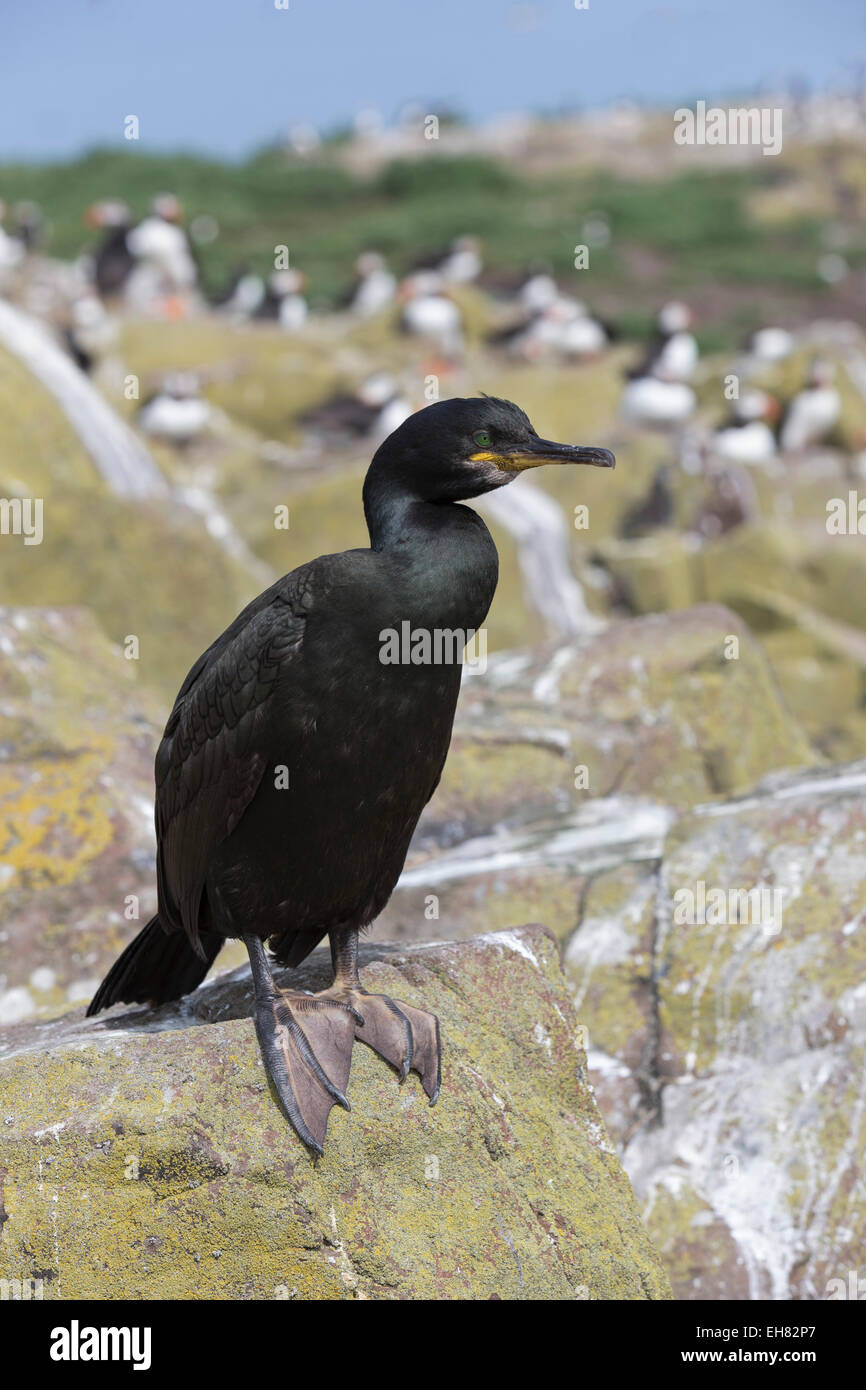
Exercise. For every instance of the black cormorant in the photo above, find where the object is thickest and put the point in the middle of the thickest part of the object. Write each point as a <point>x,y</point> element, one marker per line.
<point>296,761</point>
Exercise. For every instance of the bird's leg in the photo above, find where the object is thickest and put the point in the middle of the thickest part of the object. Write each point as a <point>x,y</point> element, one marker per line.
<point>406,1037</point>
<point>306,1043</point>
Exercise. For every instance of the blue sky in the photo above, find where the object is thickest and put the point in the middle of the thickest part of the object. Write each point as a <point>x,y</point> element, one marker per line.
<point>224,76</point>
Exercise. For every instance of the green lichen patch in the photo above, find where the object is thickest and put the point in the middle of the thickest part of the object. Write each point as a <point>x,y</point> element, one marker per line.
<point>152,1161</point>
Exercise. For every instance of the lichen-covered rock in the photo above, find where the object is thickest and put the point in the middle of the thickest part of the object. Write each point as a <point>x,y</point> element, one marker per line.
<point>39,449</point>
<point>728,1042</point>
<point>678,706</point>
<point>127,559</point>
<point>143,1155</point>
<point>654,575</point>
<point>650,708</point>
<point>77,851</point>
<point>568,762</point>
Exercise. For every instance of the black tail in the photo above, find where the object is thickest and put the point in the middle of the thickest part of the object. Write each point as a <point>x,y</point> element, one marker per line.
<point>155,968</point>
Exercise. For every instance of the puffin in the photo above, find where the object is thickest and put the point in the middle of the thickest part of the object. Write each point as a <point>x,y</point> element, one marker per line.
<point>23,238</point>
<point>538,291</point>
<point>243,296</point>
<point>429,313</point>
<point>657,394</point>
<point>165,274</point>
<point>375,286</point>
<point>177,413</point>
<point>562,328</point>
<point>90,332</point>
<point>459,264</point>
<point>766,346</point>
<point>372,411</point>
<point>303,746</point>
<point>113,261</point>
<point>748,437</point>
<point>284,302</point>
<point>655,402</point>
<point>672,352</point>
<point>28,225</point>
<point>11,247</point>
<point>813,412</point>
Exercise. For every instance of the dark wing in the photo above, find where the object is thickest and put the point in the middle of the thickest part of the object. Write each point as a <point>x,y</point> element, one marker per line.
<point>346,297</point>
<point>645,366</point>
<point>430,260</point>
<point>113,262</point>
<point>342,414</point>
<point>213,752</point>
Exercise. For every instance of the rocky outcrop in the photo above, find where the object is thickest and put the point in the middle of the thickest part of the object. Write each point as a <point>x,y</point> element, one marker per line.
<point>652,710</point>
<point>127,557</point>
<point>143,1156</point>
<point>727,1037</point>
<point>696,1033</point>
<point>77,847</point>
<point>564,764</point>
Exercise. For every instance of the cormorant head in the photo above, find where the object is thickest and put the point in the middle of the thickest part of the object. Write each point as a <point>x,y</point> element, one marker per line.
<point>461,448</point>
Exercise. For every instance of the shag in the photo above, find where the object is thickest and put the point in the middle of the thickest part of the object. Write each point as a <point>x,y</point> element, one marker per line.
<point>299,755</point>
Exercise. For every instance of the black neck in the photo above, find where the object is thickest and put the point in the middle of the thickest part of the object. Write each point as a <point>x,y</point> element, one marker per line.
<point>394,511</point>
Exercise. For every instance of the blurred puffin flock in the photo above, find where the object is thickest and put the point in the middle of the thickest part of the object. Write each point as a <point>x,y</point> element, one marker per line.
<point>226,393</point>
<point>148,268</point>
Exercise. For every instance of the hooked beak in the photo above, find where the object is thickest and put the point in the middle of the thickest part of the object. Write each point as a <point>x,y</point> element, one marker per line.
<point>541,451</point>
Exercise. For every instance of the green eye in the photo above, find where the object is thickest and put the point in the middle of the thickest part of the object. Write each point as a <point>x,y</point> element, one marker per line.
<point>482,439</point>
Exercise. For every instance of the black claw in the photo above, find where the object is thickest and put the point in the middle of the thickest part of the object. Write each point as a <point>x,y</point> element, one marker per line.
<point>410,1043</point>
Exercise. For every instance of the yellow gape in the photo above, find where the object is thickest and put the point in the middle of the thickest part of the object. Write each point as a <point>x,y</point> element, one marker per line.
<point>514,463</point>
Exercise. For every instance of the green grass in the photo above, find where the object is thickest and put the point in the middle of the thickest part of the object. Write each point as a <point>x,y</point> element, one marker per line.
<point>697,225</point>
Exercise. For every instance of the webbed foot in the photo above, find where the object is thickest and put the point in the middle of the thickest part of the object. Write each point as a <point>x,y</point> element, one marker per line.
<point>306,1042</point>
<point>406,1037</point>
